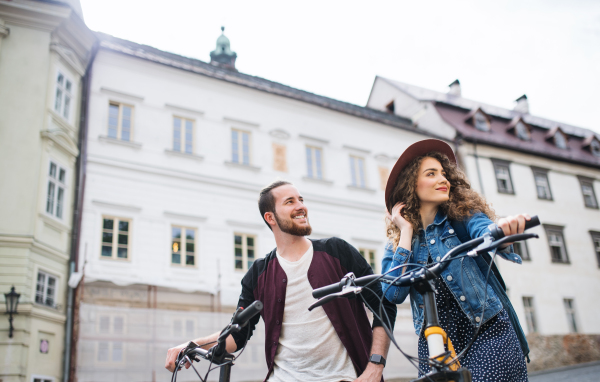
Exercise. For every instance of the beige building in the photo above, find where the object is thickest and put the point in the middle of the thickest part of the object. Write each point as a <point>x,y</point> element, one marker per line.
<point>44,52</point>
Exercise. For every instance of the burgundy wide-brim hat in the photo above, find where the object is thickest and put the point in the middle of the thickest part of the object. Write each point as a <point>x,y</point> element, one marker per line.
<point>415,150</point>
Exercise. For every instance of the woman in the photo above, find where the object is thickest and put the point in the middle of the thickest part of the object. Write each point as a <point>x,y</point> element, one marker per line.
<point>431,208</point>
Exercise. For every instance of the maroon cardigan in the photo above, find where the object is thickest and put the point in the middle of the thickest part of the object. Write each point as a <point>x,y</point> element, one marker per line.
<point>333,258</point>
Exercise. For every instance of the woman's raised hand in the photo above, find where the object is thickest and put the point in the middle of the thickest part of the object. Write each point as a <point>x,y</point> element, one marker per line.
<point>397,218</point>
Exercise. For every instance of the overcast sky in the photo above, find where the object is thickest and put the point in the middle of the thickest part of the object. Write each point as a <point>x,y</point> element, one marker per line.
<point>499,50</point>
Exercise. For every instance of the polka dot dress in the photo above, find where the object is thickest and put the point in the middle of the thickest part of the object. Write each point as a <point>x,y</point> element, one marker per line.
<point>495,356</point>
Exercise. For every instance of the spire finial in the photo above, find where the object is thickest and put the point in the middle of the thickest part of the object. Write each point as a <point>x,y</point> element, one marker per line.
<point>223,29</point>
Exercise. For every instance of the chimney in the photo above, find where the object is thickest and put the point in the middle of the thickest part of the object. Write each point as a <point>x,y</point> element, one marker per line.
<point>454,88</point>
<point>522,105</point>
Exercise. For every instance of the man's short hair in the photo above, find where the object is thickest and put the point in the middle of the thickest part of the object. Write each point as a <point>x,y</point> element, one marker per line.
<point>266,201</point>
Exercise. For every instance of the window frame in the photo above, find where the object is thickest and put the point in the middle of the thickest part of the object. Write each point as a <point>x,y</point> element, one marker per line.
<point>557,230</point>
<point>498,164</point>
<point>240,147</point>
<point>595,147</point>
<point>182,139</point>
<point>64,93</point>
<point>244,249</point>
<point>355,171</point>
<point>530,314</point>
<point>488,123</point>
<point>47,275</point>
<point>115,245</point>
<point>570,310</point>
<point>538,171</point>
<point>317,165</point>
<point>563,138</point>
<point>183,244</point>
<point>588,182</point>
<point>595,235</point>
<point>119,136</point>
<point>372,253</point>
<point>41,378</point>
<point>525,256</point>
<point>57,185</point>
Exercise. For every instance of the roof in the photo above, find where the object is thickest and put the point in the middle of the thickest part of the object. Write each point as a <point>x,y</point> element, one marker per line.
<point>152,54</point>
<point>501,134</point>
<point>423,94</point>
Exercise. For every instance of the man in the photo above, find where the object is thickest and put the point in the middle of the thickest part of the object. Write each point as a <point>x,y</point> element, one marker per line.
<point>330,343</point>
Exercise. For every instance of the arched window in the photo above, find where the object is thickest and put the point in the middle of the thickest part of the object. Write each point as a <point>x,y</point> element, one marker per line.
<point>560,140</point>
<point>522,131</point>
<point>481,122</point>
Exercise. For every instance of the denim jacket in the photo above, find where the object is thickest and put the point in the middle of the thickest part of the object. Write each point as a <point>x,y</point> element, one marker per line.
<point>464,277</point>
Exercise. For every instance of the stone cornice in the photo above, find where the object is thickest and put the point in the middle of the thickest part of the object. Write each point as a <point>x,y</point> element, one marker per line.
<point>4,30</point>
<point>34,14</point>
<point>62,140</point>
<point>28,241</point>
<point>69,56</point>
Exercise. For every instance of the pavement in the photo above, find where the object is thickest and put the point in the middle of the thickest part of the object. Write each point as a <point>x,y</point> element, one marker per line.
<point>585,372</point>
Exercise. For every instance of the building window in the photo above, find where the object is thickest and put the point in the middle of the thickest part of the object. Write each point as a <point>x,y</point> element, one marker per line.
<point>357,169</point>
<point>245,254</point>
<point>503,178</point>
<point>43,379</point>
<point>587,189</point>
<point>522,131</point>
<point>314,162</point>
<point>541,183</point>
<point>55,198</point>
<point>530,314</point>
<point>369,255</point>
<point>570,310</point>
<point>110,352</point>
<point>120,121</point>
<point>62,99</point>
<point>595,147</point>
<point>596,243</point>
<point>115,238</point>
<point>178,328</point>
<point>520,248</point>
<point>556,241</point>
<point>481,122</point>
<point>183,246</point>
<point>45,291</point>
<point>240,147</point>
<point>560,140</point>
<point>183,135</point>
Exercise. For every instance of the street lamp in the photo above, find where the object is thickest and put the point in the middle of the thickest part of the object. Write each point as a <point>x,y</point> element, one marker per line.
<point>12,300</point>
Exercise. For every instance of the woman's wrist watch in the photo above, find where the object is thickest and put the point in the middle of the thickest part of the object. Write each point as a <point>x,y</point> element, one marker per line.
<point>377,359</point>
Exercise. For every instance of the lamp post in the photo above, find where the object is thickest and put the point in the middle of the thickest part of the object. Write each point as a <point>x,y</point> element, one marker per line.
<point>12,300</point>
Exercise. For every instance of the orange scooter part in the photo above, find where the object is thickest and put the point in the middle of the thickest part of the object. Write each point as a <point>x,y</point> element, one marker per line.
<point>448,341</point>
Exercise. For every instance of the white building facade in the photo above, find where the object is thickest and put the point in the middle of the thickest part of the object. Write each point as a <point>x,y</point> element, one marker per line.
<point>524,163</point>
<point>178,151</point>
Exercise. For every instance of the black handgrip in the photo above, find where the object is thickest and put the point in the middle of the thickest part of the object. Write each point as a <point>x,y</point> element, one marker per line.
<point>246,314</point>
<point>497,232</point>
<point>327,290</point>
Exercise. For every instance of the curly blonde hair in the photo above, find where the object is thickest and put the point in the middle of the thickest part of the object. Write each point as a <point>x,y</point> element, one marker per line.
<point>463,201</point>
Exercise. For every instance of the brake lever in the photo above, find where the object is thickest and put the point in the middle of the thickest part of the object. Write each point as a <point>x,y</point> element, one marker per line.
<point>347,289</point>
<point>487,242</point>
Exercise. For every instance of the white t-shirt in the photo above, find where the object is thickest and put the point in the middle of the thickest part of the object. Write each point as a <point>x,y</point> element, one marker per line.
<point>309,347</point>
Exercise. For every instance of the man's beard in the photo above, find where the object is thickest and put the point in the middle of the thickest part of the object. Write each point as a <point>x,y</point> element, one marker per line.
<point>289,226</point>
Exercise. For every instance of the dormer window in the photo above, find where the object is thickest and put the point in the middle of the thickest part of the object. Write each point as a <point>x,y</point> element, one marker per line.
<point>560,140</point>
<point>481,122</point>
<point>521,129</point>
<point>595,148</point>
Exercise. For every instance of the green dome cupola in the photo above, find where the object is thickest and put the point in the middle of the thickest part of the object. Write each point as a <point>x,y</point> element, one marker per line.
<point>223,55</point>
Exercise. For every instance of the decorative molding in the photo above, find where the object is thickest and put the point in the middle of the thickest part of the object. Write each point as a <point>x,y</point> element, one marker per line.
<point>177,215</point>
<point>364,189</point>
<point>356,149</point>
<point>69,56</point>
<point>240,122</point>
<point>62,140</point>
<point>185,109</point>
<point>121,94</point>
<point>184,155</point>
<point>61,122</point>
<point>382,157</point>
<point>54,223</point>
<point>117,206</point>
<point>279,133</point>
<point>4,30</point>
<point>322,141</point>
<point>322,181</point>
<point>133,145</point>
<point>370,241</point>
<point>243,166</point>
<point>236,223</point>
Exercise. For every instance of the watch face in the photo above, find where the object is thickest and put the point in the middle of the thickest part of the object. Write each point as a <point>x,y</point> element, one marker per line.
<point>377,359</point>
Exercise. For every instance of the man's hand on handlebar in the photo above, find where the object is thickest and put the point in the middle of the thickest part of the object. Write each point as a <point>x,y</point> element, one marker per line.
<point>512,225</point>
<point>172,354</point>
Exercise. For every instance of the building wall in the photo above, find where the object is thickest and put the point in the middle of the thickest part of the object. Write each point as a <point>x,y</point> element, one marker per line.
<point>32,134</point>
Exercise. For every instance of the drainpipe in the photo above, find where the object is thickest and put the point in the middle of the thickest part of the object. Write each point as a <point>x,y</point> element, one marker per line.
<point>77,209</point>
<point>477,165</point>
